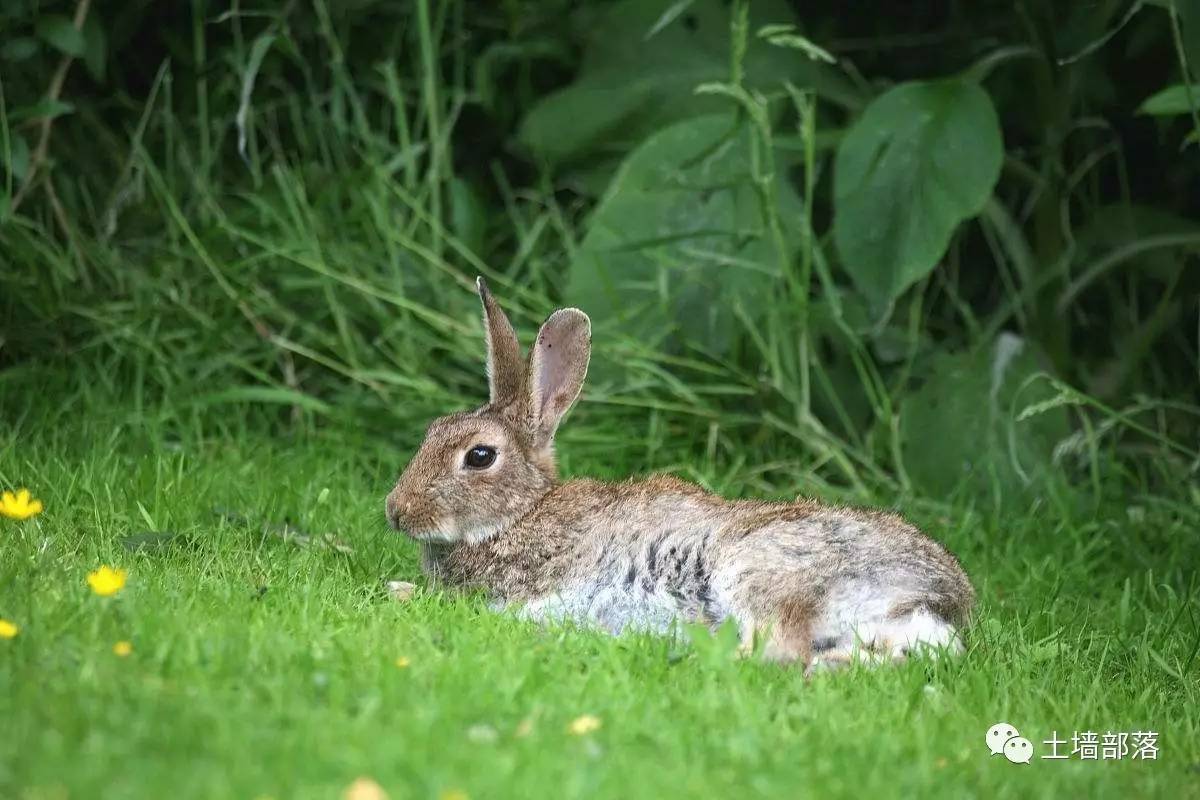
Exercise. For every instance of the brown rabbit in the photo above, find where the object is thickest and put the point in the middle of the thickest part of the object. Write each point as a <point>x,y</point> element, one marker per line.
<point>819,584</point>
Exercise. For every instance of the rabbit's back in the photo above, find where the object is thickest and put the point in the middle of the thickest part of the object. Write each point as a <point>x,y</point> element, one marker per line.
<point>644,554</point>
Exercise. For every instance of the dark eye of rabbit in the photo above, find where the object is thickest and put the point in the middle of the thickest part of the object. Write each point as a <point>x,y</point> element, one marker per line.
<point>480,457</point>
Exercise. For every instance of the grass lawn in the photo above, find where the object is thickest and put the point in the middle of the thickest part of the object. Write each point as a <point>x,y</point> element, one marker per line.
<point>261,667</point>
<point>936,249</point>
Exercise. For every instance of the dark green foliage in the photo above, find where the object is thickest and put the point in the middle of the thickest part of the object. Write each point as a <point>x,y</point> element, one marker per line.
<point>940,257</point>
<point>791,222</point>
<point>639,69</point>
<point>922,158</point>
<point>959,429</point>
<point>677,245</point>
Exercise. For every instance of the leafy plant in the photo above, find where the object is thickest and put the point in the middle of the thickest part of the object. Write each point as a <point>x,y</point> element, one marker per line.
<point>678,243</point>
<point>793,226</point>
<point>921,159</point>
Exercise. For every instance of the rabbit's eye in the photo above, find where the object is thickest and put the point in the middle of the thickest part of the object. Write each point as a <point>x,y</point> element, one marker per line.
<point>480,457</point>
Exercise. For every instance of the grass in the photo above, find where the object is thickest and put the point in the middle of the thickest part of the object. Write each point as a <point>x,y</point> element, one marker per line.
<point>267,330</point>
<point>261,668</point>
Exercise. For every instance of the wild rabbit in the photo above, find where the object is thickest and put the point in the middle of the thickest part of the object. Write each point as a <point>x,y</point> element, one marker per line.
<point>816,584</point>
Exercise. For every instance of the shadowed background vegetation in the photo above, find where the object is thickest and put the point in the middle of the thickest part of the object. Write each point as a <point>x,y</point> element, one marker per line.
<point>941,257</point>
<point>936,249</point>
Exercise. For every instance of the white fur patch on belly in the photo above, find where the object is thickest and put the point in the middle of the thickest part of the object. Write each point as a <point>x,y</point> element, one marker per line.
<point>857,617</point>
<point>613,609</point>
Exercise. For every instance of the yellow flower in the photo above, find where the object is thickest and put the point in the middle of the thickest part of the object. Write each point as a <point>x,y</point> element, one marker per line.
<point>364,789</point>
<point>20,505</point>
<point>106,581</point>
<point>581,726</point>
<point>402,662</point>
<point>123,648</point>
<point>453,794</point>
<point>8,629</point>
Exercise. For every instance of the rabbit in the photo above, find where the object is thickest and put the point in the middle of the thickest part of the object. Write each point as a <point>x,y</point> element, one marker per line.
<point>823,586</point>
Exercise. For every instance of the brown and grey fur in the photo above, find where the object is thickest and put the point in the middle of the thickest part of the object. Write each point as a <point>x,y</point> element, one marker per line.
<point>818,584</point>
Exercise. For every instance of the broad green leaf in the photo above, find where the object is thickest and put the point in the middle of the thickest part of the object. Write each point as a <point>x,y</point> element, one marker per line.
<point>18,161</point>
<point>18,48</point>
<point>679,239</point>
<point>44,109</point>
<point>57,31</point>
<point>630,86</point>
<point>1171,101</point>
<point>95,47</point>
<point>922,158</point>
<point>959,430</point>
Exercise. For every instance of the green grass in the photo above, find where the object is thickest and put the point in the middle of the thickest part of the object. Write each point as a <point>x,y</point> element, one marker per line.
<point>268,332</point>
<point>264,668</point>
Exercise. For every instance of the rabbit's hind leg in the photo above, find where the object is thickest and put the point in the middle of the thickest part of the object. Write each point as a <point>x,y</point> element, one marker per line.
<point>906,629</point>
<point>790,637</point>
<point>916,628</point>
<point>786,635</point>
<point>882,639</point>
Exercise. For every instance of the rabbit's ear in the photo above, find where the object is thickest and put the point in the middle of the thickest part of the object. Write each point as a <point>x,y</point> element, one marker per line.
<point>557,367</point>
<point>504,368</point>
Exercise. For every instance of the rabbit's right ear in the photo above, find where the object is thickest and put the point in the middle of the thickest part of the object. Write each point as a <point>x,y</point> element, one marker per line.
<point>506,373</point>
<point>557,367</point>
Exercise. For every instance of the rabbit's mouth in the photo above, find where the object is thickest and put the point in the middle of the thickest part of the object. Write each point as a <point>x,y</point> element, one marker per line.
<point>434,536</point>
<point>412,519</point>
<point>422,523</point>
<point>422,529</point>
<point>418,530</point>
<point>448,532</point>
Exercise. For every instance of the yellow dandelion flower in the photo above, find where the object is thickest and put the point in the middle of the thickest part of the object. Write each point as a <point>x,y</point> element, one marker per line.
<point>123,648</point>
<point>364,789</point>
<point>453,794</point>
<point>581,726</point>
<point>20,505</point>
<point>8,629</point>
<point>403,662</point>
<point>106,581</point>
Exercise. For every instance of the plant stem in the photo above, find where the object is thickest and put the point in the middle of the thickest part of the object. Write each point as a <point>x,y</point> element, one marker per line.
<point>52,93</point>
<point>433,120</point>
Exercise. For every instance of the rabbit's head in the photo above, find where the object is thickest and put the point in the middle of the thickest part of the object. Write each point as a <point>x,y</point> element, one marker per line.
<point>479,471</point>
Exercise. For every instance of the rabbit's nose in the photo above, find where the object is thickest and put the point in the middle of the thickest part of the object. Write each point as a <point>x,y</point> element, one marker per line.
<point>397,507</point>
<point>393,512</point>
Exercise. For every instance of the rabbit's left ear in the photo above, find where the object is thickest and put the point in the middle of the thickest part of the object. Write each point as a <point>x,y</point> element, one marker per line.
<point>557,367</point>
<point>505,371</point>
